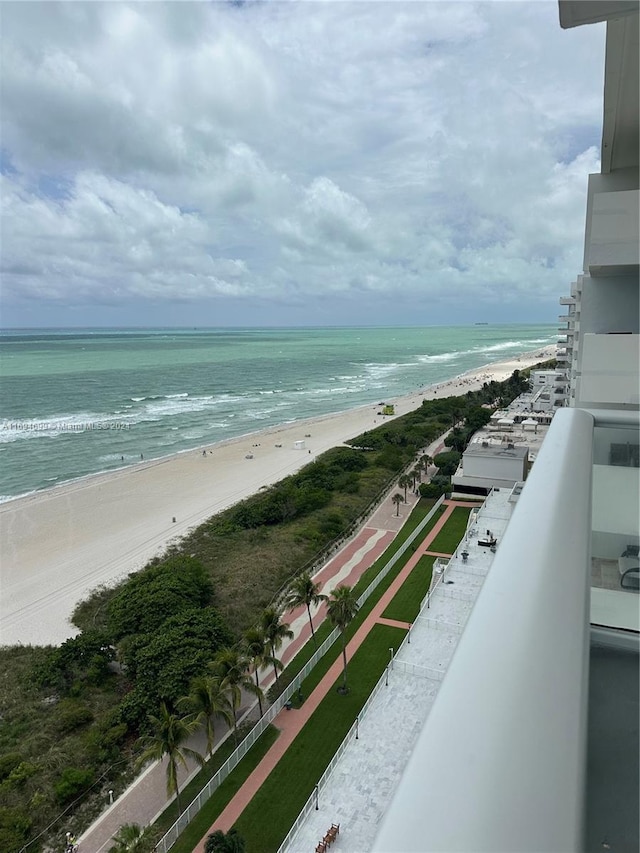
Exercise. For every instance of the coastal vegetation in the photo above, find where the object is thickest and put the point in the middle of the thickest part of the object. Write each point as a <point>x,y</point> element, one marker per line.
<point>75,717</point>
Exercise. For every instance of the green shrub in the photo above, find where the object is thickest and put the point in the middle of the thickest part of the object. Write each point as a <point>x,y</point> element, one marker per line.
<point>73,782</point>
<point>432,490</point>
<point>9,762</point>
<point>75,661</point>
<point>219,842</point>
<point>19,775</point>
<point>163,664</point>
<point>103,744</point>
<point>447,463</point>
<point>152,596</point>
<point>14,829</point>
<point>72,715</point>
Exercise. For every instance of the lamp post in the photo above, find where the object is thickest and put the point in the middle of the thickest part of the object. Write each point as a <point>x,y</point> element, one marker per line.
<point>391,654</point>
<point>386,675</point>
<point>357,726</point>
<point>316,793</point>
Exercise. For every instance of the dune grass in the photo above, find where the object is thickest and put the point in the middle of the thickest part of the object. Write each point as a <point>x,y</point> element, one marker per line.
<point>275,807</point>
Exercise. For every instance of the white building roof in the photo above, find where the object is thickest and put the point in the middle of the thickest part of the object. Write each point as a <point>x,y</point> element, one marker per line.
<point>496,451</point>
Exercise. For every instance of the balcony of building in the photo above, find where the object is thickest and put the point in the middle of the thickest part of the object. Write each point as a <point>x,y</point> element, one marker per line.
<point>609,370</point>
<point>567,300</point>
<point>612,229</point>
<point>615,557</point>
<point>540,703</point>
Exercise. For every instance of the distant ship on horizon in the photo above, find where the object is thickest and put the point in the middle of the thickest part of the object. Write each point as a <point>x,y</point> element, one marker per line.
<point>480,324</point>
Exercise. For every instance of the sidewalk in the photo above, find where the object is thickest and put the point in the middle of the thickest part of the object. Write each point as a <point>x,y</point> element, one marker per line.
<point>290,724</point>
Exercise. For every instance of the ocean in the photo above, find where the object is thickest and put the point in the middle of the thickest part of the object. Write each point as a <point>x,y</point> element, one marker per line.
<point>76,402</point>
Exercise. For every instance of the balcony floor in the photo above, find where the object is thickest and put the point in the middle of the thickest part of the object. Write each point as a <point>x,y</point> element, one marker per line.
<point>613,791</point>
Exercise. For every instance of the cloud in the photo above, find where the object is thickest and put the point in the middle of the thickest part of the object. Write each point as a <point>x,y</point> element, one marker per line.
<point>108,242</point>
<point>286,151</point>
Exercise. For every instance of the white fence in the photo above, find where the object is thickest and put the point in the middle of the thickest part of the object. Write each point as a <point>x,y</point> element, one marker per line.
<point>169,839</point>
<point>417,669</point>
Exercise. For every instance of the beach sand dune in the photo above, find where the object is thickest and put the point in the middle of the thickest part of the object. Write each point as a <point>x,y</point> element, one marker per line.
<point>58,545</point>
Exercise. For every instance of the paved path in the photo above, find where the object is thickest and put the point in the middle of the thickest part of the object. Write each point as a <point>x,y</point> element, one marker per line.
<point>290,723</point>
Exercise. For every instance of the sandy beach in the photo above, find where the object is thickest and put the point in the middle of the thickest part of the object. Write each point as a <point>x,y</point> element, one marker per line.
<point>58,545</point>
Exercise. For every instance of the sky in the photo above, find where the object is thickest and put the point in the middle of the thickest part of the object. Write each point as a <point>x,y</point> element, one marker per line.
<point>293,163</point>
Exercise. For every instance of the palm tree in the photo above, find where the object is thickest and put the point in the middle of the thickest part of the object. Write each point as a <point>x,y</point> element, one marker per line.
<point>232,668</point>
<point>304,591</point>
<point>219,842</point>
<point>397,500</point>
<point>131,838</point>
<point>341,608</point>
<point>169,738</point>
<point>404,482</point>
<point>255,646</point>
<point>207,698</point>
<point>275,632</point>
<point>426,461</point>
<point>417,474</point>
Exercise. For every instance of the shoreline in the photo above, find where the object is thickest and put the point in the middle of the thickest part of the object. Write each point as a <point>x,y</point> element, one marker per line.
<point>60,543</point>
<point>540,354</point>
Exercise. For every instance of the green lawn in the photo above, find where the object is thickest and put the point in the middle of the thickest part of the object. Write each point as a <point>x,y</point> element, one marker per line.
<point>449,537</point>
<point>405,604</point>
<point>272,812</point>
<point>220,798</point>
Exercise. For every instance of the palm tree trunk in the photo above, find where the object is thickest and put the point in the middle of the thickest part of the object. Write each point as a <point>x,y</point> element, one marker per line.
<point>313,633</point>
<point>177,789</point>
<point>258,686</point>
<point>273,655</point>
<point>344,657</point>
<point>235,727</point>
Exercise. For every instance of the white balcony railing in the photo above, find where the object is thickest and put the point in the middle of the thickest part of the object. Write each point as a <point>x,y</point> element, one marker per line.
<point>500,763</point>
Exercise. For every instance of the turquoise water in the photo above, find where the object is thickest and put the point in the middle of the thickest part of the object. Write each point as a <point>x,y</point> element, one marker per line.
<point>77,401</point>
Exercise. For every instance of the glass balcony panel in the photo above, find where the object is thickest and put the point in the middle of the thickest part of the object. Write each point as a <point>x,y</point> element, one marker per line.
<point>615,537</point>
